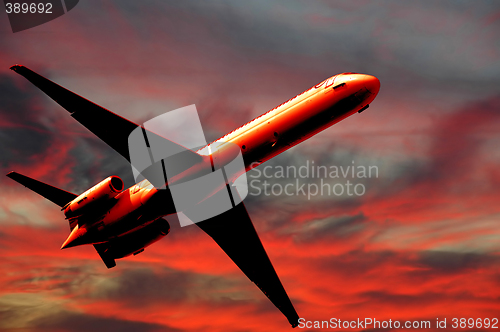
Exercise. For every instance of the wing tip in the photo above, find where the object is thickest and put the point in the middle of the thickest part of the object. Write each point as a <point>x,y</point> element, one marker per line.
<point>16,67</point>
<point>11,174</point>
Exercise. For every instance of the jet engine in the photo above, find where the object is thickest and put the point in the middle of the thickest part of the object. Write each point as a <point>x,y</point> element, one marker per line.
<point>101,192</point>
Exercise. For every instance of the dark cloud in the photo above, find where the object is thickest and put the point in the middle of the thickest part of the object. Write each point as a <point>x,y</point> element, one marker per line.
<point>414,267</point>
<point>409,300</point>
<point>146,286</point>
<point>455,156</point>
<point>22,132</point>
<point>394,40</point>
<point>95,161</point>
<point>33,312</point>
<point>458,138</point>
<point>68,321</point>
<point>29,128</point>
<point>330,229</point>
<point>456,262</point>
<point>358,262</point>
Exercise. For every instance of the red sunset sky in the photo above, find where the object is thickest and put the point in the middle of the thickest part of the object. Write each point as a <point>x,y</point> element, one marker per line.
<point>422,243</point>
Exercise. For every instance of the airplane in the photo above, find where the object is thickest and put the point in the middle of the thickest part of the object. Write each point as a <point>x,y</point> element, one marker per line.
<point>120,223</point>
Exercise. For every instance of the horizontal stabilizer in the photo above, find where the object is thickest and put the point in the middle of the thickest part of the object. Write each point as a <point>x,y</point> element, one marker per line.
<point>53,194</point>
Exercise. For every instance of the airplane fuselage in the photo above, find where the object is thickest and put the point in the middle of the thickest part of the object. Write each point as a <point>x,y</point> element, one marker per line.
<point>301,117</point>
<point>259,140</point>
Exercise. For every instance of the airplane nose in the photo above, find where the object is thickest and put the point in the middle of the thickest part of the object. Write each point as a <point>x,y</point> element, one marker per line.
<point>372,84</point>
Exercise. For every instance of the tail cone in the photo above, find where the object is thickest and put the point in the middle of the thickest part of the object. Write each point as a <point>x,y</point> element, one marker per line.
<point>77,237</point>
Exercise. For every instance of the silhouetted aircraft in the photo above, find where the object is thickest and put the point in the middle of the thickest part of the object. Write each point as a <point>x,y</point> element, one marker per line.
<point>119,222</point>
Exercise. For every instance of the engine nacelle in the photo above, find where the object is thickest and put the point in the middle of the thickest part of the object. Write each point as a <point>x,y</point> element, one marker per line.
<point>98,194</point>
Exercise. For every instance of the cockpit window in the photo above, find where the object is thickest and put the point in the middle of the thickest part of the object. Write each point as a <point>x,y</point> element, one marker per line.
<point>318,85</point>
<point>330,81</point>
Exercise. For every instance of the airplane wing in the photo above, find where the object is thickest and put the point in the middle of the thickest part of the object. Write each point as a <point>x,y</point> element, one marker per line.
<point>108,126</point>
<point>53,194</point>
<point>234,232</point>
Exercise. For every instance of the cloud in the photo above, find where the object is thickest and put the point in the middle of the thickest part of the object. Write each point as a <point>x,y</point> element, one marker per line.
<point>146,286</point>
<point>22,133</point>
<point>422,242</point>
<point>36,313</point>
<point>80,322</point>
<point>454,262</point>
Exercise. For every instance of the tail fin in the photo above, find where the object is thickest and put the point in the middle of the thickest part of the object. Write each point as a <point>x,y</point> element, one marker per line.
<point>61,198</point>
<point>53,194</point>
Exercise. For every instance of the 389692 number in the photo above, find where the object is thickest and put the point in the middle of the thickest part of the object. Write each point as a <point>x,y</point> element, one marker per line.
<point>474,323</point>
<point>25,8</point>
